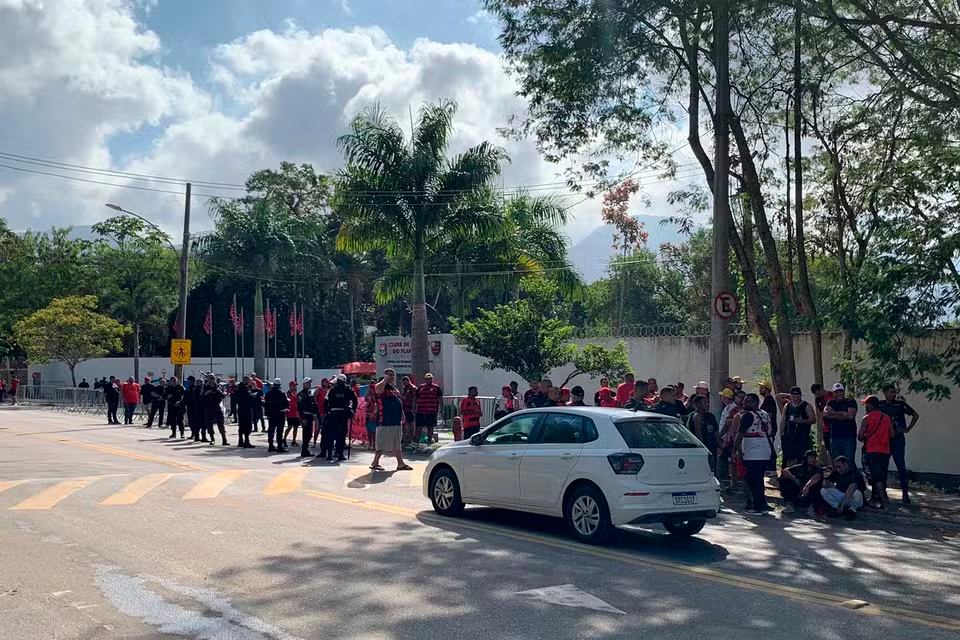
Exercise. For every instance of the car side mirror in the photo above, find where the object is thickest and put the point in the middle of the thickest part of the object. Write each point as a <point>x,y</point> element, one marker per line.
<point>475,440</point>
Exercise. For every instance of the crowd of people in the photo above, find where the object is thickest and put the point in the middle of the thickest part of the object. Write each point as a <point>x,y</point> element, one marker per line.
<point>742,439</point>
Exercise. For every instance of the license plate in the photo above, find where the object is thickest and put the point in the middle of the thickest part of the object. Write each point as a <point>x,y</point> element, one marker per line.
<point>684,499</point>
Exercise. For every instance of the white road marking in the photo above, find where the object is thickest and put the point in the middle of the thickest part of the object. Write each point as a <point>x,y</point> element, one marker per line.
<point>133,597</point>
<point>567,595</point>
<point>57,594</point>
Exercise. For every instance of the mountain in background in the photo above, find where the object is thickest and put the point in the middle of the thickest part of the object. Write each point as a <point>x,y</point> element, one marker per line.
<point>591,254</point>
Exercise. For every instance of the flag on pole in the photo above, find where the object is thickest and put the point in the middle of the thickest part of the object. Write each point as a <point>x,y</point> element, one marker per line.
<point>293,323</point>
<point>300,322</point>
<point>234,318</point>
<point>273,323</point>
<point>208,322</point>
<point>268,322</point>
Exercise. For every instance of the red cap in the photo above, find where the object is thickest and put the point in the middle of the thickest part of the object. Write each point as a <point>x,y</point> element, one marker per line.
<point>293,383</point>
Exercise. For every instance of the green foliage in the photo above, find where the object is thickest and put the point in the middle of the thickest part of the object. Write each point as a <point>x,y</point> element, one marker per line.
<point>517,338</point>
<point>69,330</point>
<point>597,361</point>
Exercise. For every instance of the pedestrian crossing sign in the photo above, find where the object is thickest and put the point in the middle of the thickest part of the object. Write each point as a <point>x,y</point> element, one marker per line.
<point>180,351</point>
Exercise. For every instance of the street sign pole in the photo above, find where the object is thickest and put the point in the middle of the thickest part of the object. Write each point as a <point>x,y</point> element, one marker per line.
<point>184,258</point>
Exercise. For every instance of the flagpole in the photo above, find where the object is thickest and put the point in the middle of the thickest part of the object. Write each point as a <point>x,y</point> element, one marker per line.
<point>293,332</point>
<point>234,319</point>
<point>243,345</point>
<point>210,315</point>
<point>273,323</point>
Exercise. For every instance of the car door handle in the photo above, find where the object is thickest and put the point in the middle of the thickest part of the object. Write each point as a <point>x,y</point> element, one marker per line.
<point>515,456</point>
<point>566,456</point>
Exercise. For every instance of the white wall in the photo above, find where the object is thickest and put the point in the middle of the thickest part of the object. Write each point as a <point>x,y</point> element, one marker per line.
<point>57,373</point>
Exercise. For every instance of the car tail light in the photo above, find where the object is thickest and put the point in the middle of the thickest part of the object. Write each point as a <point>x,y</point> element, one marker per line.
<point>626,464</point>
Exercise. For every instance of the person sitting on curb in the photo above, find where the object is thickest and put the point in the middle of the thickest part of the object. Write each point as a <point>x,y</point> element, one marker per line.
<point>843,489</point>
<point>800,485</point>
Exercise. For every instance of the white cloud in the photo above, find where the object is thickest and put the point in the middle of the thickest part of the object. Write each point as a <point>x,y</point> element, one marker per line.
<point>91,72</point>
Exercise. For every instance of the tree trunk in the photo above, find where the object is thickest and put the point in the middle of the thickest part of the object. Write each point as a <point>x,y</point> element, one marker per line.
<point>353,323</point>
<point>419,341</point>
<point>73,374</point>
<point>259,333</point>
<point>136,353</point>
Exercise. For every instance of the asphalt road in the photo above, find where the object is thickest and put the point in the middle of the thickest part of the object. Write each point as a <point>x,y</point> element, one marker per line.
<point>118,532</point>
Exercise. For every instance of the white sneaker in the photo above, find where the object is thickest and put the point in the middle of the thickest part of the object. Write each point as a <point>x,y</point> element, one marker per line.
<point>788,508</point>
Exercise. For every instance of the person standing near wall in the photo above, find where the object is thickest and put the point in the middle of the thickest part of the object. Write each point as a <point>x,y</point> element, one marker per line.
<point>471,412</point>
<point>898,410</point>
<point>842,412</point>
<point>130,391</point>
<point>754,446</point>
<point>175,395</point>
<point>111,394</point>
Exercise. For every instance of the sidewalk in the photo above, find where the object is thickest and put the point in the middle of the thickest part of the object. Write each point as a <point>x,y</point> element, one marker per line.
<point>936,510</point>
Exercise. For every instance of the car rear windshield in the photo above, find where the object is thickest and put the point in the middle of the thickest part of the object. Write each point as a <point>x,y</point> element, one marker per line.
<point>641,433</point>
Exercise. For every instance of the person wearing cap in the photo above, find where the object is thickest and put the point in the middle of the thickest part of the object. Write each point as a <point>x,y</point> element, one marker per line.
<point>768,403</point>
<point>210,409</point>
<point>876,432</point>
<point>293,414</point>
<point>276,405</point>
<point>341,405</point>
<point>842,412</point>
<point>307,409</point>
<point>429,404</point>
<point>800,485</point>
<point>701,389</point>
<point>843,489</point>
<point>576,397</point>
<point>505,404</point>
<point>605,397</point>
<point>799,418</point>
<point>730,410</point>
<point>471,412</point>
<point>898,410</point>
<point>564,395</point>
<point>738,383</point>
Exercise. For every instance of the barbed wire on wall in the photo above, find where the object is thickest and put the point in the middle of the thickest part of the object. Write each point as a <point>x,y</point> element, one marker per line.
<point>674,330</point>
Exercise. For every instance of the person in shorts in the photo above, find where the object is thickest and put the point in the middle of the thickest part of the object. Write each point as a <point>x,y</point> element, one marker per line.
<point>372,418</point>
<point>408,395</point>
<point>429,402</point>
<point>876,432</point>
<point>390,429</point>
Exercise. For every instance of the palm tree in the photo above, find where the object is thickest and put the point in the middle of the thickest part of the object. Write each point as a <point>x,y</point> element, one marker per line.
<point>529,243</point>
<point>409,200</point>
<point>252,238</point>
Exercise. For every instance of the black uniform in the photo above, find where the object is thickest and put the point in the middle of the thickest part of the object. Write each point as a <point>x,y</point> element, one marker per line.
<point>256,406</point>
<point>175,396</point>
<point>341,405</point>
<point>308,409</point>
<point>194,409</point>
<point>157,403</point>
<point>796,436</point>
<point>275,403</point>
<point>211,405</point>
<point>244,400</point>
<point>112,395</point>
<point>146,394</point>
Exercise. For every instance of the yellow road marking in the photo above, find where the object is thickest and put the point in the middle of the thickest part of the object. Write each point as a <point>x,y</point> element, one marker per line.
<point>9,484</point>
<point>52,495</point>
<point>357,477</point>
<point>112,451</point>
<point>705,573</point>
<point>286,482</point>
<point>416,476</point>
<point>211,486</point>
<point>131,493</point>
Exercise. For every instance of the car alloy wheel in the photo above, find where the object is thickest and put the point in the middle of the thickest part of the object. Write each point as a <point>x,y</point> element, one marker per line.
<point>443,492</point>
<point>585,515</point>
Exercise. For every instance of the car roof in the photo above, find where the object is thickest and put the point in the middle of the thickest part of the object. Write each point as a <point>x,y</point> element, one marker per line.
<point>612,413</point>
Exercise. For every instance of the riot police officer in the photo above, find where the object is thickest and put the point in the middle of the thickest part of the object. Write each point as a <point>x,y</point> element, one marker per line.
<point>211,408</point>
<point>191,400</point>
<point>341,405</point>
<point>276,404</point>
<point>175,395</point>
<point>244,400</point>
<point>308,409</point>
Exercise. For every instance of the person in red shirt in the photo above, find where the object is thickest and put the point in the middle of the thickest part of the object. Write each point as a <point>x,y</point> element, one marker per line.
<point>471,412</point>
<point>14,386</point>
<point>876,431</point>
<point>293,414</point>
<point>626,389</point>
<point>130,393</point>
<point>606,398</point>
<point>429,403</point>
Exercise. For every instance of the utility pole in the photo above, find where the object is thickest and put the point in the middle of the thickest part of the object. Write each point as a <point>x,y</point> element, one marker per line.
<point>720,281</point>
<point>184,258</point>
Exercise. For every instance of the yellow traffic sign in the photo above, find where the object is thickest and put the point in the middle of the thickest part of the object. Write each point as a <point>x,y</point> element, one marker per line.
<point>180,351</point>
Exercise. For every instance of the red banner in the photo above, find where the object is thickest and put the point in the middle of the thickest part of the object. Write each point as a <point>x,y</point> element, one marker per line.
<point>208,322</point>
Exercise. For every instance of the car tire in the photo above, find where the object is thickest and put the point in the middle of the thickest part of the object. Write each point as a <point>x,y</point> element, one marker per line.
<point>587,515</point>
<point>445,493</point>
<point>684,528</point>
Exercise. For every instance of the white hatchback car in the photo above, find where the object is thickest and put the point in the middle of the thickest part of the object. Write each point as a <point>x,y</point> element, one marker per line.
<point>597,468</point>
